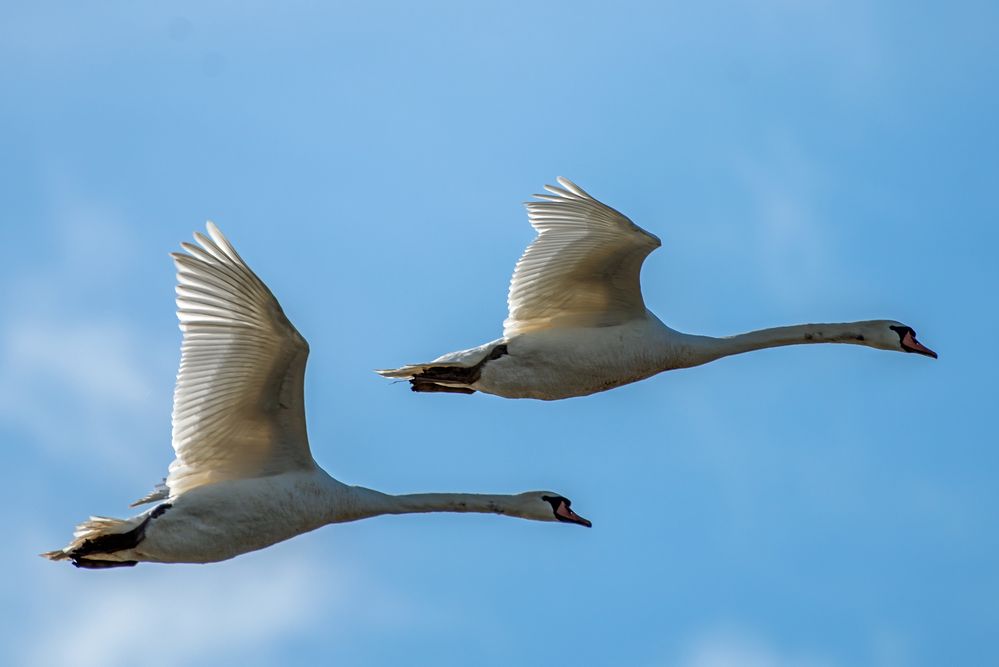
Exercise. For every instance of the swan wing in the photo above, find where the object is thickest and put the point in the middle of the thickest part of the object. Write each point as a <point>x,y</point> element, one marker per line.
<point>238,408</point>
<point>583,268</point>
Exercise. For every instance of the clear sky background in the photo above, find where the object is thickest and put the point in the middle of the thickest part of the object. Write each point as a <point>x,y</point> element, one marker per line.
<point>825,506</point>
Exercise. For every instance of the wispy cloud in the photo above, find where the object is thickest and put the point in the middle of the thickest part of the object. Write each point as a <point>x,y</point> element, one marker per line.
<point>74,375</point>
<point>731,648</point>
<point>95,360</point>
<point>244,611</point>
<point>161,620</point>
<point>73,388</point>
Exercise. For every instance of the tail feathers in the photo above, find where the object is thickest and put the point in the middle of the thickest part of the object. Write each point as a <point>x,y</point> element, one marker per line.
<point>432,368</point>
<point>458,369</point>
<point>438,378</point>
<point>403,373</point>
<point>102,536</point>
<point>467,359</point>
<point>454,375</point>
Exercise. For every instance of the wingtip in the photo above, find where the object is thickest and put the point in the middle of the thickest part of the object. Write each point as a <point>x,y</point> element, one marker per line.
<point>216,233</point>
<point>572,187</point>
<point>565,189</point>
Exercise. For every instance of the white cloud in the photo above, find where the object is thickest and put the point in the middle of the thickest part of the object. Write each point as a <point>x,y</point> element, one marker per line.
<point>120,624</point>
<point>75,377</point>
<point>96,360</point>
<point>739,649</point>
<point>168,615</point>
<point>77,389</point>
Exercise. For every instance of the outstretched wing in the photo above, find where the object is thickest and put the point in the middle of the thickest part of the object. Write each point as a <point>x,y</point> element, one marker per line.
<point>583,268</point>
<point>238,408</point>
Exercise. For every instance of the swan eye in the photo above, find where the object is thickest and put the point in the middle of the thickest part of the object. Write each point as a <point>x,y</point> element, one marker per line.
<point>554,501</point>
<point>558,503</point>
<point>901,331</point>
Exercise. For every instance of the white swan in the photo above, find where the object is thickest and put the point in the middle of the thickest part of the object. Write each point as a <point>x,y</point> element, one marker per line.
<point>578,324</point>
<point>244,477</point>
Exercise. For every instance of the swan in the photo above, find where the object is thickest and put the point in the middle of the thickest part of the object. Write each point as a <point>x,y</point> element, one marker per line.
<point>578,325</point>
<point>244,477</point>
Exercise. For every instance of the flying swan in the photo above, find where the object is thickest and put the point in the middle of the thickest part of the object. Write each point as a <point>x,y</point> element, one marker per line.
<point>243,477</point>
<point>578,325</point>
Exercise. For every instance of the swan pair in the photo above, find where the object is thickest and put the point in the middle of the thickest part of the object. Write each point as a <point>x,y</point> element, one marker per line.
<point>244,477</point>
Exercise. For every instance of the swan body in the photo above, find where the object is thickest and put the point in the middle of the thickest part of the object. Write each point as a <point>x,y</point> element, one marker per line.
<point>578,324</point>
<point>244,477</point>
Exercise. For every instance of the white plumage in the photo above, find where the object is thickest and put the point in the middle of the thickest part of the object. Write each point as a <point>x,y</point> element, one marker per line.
<point>238,406</point>
<point>578,324</point>
<point>583,268</point>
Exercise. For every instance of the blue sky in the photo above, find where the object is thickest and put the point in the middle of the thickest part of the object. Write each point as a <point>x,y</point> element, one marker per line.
<point>816,161</point>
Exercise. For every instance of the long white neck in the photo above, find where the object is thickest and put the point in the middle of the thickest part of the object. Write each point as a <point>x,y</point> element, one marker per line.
<point>357,502</point>
<point>699,350</point>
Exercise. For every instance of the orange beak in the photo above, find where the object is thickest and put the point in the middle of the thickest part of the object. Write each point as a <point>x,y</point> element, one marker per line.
<point>564,513</point>
<point>910,344</point>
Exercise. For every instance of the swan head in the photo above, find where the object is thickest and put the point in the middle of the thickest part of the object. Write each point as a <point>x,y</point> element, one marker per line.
<point>549,506</point>
<point>892,335</point>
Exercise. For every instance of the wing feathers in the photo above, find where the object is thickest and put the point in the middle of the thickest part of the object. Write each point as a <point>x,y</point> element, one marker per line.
<point>238,401</point>
<point>582,270</point>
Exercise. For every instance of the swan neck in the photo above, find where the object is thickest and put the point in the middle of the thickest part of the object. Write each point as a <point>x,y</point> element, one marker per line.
<point>368,503</point>
<point>800,334</point>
